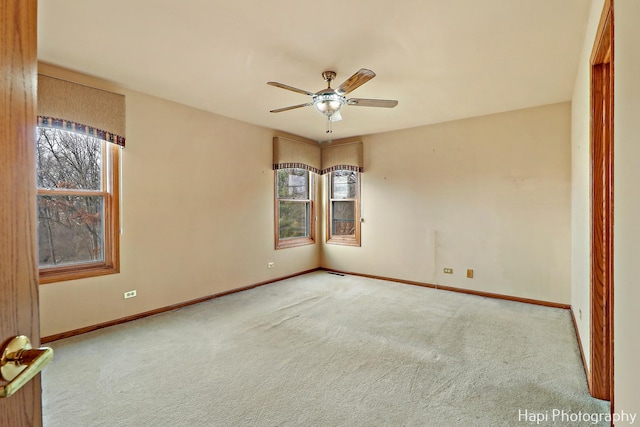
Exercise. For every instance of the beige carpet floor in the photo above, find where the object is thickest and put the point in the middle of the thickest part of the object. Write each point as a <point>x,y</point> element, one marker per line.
<point>325,350</point>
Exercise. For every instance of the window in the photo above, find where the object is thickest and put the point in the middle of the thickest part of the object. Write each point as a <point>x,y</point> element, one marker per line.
<point>343,220</point>
<point>77,205</point>
<point>295,217</point>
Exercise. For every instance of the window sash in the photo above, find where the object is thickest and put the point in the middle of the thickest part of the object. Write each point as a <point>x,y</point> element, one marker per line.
<point>305,227</point>
<point>79,218</point>
<point>338,224</point>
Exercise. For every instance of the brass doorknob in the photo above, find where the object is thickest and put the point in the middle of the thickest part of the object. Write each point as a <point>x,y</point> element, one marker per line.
<point>19,363</point>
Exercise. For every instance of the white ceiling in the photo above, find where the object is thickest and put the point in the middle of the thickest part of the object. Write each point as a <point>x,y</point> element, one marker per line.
<point>441,59</point>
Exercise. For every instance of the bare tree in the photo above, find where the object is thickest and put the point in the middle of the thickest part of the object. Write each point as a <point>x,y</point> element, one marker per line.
<point>69,174</point>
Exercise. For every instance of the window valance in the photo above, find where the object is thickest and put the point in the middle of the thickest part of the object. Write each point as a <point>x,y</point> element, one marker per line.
<point>346,156</point>
<point>79,108</point>
<point>289,153</point>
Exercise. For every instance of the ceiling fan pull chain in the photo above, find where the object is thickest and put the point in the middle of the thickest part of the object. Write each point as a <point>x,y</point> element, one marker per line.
<point>329,126</point>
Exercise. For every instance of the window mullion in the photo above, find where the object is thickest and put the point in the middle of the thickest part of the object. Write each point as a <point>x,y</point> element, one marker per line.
<point>66,192</point>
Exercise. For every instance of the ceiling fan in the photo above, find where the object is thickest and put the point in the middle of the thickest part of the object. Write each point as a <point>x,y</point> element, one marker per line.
<point>329,101</point>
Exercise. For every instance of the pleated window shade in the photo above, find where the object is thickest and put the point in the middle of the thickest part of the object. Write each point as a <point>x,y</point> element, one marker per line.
<point>342,157</point>
<point>83,109</point>
<point>289,153</point>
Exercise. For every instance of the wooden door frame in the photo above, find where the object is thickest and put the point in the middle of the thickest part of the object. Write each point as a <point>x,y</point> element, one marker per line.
<point>601,155</point>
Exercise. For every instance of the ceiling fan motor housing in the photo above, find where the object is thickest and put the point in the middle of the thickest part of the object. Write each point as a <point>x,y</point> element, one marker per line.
<point>328,76</point>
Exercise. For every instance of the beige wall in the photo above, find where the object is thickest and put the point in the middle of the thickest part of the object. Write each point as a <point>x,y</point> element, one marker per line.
<point>490,193</point>
<point>627,207</point>
<point>197,216</point>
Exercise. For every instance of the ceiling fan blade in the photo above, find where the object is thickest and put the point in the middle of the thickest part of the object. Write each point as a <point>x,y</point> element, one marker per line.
<point>335,117</point>
<point>355,81</point>
<point>361,102</point>
<point>295,89</point>
<point>293,107</point>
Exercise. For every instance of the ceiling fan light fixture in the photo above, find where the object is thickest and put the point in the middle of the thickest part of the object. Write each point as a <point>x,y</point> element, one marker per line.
<point>328,103</point>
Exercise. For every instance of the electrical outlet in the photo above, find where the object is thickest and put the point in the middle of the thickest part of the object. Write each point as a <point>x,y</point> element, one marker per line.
<point>130,294</point>
<point>448,270</point>
<point>271,265</point>
<point>470,273</point>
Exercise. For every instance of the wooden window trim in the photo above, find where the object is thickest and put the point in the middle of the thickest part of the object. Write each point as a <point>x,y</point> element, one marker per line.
<point>343,240</point>
<point>299,241</point>
<point>111,263</point>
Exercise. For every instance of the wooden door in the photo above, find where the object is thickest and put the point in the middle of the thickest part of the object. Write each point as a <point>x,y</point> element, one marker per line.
<point>18,263</point>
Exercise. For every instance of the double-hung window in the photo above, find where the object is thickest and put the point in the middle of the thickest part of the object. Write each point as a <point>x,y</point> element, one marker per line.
<point>343,219</point>
<point>77,205</point>
<point>295,216</point>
